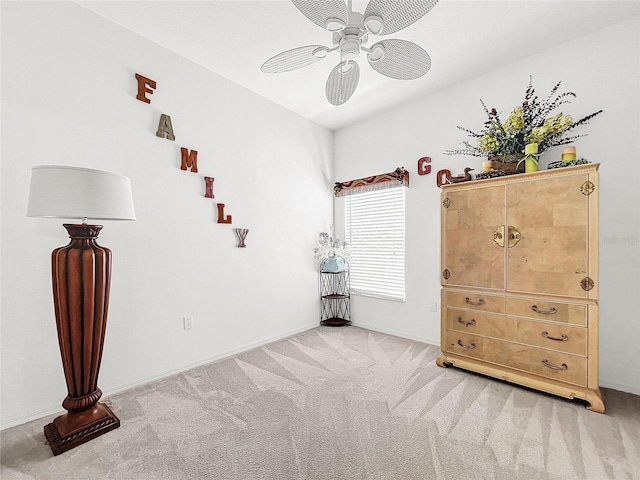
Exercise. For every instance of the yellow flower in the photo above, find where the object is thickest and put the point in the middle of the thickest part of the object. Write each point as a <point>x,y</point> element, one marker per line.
<point>565,121</point>
<point>488,143</point>
<point>537,135</point>
<point>558,123</point>
<point>515,122</point>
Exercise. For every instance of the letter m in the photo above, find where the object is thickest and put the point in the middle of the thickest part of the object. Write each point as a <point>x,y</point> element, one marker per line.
<point>189,159</point>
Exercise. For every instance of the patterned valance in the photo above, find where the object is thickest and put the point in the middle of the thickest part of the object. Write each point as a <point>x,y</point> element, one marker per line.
<point>396,178</point>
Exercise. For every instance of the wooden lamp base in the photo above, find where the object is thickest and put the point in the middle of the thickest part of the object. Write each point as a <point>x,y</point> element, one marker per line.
<point>75,428</point>
<point>81,279</point>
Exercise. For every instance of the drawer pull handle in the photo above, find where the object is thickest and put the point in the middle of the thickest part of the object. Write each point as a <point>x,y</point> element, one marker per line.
<point>563,338</point>
<point>553,367</point>
<point>543,312</point>
<point>470,322</point>
<point>471,345</point>
<point>479,302</point>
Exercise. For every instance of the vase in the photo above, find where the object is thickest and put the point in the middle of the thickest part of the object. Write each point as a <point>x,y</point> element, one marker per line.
<point>531,158</point>
<point>334,264</point>
<point>568,154</point>
<point>530,165</point>
<point>506,163</point>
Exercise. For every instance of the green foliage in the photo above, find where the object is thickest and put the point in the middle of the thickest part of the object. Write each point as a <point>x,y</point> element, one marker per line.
<point>531,122</point>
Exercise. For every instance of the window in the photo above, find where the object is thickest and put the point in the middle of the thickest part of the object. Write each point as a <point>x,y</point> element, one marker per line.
<point>375,231</point>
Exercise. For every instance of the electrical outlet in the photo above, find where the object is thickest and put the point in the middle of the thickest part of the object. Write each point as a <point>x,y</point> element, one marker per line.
<point>187,322</point>
<point>433,306</point>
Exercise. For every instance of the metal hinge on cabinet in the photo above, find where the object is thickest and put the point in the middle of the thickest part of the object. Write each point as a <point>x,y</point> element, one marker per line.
<point>446,274</point>
<point>446,203</point>
<point>587,284</point>
<point>587,188</point>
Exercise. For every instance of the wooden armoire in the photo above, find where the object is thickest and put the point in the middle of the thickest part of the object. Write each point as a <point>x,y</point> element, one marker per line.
<point>520,280</point>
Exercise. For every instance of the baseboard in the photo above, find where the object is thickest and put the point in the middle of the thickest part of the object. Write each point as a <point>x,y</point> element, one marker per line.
<point>620,387</point>
<point>397,334</point>
<point>211,359</point>
<point>13,422</point>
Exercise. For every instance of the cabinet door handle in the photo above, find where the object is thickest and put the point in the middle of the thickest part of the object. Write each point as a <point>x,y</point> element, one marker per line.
<point>543,312</point>
<point>479,302</point>
<point>514,236</point>
<point>471,345</point>
<point>563,338</point>
<point>554,367</point>
<point>498,235</point>
<point>470,322</point>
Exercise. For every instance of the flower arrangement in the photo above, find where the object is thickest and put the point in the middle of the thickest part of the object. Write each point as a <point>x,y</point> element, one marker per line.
<point>531,122</point>
<point>329,245</point>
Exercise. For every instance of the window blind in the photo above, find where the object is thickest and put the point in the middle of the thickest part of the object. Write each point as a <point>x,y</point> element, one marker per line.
<point>375,232</point>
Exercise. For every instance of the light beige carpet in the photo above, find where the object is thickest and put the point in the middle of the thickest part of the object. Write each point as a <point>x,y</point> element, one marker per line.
<point>340,403</point>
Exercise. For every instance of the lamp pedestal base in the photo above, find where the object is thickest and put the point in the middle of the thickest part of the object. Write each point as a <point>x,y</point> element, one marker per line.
<point>81,279</point>
<point>77,427</point>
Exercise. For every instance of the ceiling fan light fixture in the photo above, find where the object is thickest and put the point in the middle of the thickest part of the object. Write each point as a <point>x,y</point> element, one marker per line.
<point>374,24</point>
<point>350,48</point>
<point>334,24</point>
<point>377,53</point>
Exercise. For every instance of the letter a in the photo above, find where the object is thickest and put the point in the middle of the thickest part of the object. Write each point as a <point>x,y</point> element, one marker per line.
<point>165,130</point>
<point>189,159</point>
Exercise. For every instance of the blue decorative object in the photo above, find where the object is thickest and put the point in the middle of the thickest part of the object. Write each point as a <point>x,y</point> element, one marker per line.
<point>334,264</point>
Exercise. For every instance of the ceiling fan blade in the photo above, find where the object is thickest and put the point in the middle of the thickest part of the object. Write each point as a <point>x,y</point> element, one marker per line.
<point>294,59</point>
<point>398,14</point>
<point>319,12</point>
<point>341,84</point>
<point>402,60</point>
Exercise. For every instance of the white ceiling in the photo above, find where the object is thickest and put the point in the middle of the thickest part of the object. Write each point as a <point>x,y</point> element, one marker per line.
<point>464,39</point>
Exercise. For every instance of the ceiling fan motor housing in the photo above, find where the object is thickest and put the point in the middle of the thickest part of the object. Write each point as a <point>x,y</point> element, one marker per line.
<point>352,36</point>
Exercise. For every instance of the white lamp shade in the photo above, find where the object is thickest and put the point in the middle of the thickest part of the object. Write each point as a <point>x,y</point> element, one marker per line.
<point>78,193</point>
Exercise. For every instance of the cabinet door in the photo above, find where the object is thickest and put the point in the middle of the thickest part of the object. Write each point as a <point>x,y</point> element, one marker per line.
<point>470,220</point>
<point>550,219</point>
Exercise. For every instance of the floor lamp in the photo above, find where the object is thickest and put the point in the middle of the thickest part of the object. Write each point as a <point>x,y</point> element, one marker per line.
<point>81,274</point>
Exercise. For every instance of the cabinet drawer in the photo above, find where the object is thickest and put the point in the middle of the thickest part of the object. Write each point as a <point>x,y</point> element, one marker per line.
<point>474,301</point>
<point>480,323</point>
<point>575,314</point>
<point>562,338</point>
<point>549,364</point>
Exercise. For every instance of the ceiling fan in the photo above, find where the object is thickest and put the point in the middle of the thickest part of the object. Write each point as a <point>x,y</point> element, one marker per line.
<point>393,58</point>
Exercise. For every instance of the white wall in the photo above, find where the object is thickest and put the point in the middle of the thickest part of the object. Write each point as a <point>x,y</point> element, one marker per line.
<point>603,69</point>
<point>68,97</point>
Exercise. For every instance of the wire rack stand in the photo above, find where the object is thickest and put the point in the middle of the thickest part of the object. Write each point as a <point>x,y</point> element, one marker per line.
<point>335,297</point>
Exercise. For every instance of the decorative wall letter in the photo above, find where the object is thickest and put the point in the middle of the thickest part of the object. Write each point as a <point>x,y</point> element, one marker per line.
<point>189,159</point>
<point>142,88</point>
<point>443,181</point>
<point>208,181</point>
<point>165,129</point>
<point>221,217</point>
<point>424,166</point>
<point>241,234</point>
